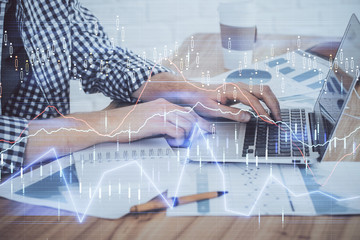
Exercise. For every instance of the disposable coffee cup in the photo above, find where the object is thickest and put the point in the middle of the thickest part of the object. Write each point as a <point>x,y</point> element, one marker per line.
<point>238,32</point>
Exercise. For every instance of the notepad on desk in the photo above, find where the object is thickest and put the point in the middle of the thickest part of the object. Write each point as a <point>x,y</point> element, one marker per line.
<point>115,176</point>
<point>102,181</point>
<point>106,158</point>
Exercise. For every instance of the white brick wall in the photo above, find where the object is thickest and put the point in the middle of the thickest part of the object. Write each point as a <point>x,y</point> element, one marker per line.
<point>154,23</point>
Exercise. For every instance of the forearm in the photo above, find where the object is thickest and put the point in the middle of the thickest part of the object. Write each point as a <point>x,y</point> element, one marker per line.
<point>64,135</point>
<point>168,86</point>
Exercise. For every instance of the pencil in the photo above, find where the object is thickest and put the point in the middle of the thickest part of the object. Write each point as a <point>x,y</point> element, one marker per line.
<point>175,201</point>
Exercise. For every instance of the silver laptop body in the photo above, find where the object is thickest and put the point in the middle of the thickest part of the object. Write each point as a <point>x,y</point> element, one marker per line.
<point>302,136</point>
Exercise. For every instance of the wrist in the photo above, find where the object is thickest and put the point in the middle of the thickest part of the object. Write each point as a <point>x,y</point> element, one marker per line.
<point>91,125</point>
<point>170,87</point>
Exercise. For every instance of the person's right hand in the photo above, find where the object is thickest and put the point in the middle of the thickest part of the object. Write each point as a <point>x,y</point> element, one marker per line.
<point>158,117</point>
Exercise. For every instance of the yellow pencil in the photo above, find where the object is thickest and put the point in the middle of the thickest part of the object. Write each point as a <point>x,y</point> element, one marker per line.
<point>175,201</point>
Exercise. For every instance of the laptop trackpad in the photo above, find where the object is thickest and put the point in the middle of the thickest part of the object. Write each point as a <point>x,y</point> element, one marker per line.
<point>224,143</point>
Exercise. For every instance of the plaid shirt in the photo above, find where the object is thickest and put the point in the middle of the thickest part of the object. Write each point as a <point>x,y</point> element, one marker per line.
<point>63,41</point>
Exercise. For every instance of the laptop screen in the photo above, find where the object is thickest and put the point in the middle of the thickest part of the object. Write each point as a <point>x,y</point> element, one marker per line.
<point>338,85</point>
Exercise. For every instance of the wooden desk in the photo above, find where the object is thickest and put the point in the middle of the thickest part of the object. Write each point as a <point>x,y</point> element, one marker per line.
<point>14,225</point>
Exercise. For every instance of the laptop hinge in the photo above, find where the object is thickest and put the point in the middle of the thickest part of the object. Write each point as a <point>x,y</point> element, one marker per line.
<point>312,130</point>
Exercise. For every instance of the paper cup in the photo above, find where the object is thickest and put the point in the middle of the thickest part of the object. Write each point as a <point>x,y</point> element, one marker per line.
<point>238,32</point>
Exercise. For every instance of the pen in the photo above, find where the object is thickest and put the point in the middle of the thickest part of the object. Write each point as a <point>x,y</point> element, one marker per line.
<point>175,201</point>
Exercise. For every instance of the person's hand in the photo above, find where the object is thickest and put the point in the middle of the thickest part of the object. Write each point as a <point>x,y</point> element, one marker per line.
<point>216,101</point>
<point>158,117</point>
<point>211,101</point>
<point>77,131</point>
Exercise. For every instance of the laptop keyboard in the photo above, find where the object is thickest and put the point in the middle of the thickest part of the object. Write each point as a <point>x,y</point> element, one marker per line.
<point>263,138</point>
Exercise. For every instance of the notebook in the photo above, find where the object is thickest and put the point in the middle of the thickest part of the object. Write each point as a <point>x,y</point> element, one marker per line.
<point>102,181</point>
<point>114,176</point>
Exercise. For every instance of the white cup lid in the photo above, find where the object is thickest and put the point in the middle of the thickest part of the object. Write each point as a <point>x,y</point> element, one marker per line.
<point>237,14</point>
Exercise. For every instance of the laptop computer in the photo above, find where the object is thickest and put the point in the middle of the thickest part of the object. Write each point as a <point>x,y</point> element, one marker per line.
<point>302,135</point>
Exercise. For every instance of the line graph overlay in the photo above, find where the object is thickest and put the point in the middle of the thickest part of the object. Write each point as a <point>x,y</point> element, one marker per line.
<point>269,178</point>
<point>140,95</point>
<point>188,111</point>
<point>91,129</point>
<point>82,216</point>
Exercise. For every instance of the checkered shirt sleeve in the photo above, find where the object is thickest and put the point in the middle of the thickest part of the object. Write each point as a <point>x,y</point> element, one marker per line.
<point>103,67</point>
<point>79,49</point>
<point>13,132</point>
